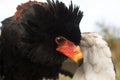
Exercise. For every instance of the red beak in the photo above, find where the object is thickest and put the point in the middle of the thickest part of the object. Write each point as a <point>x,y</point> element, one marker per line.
<point>69,49</point>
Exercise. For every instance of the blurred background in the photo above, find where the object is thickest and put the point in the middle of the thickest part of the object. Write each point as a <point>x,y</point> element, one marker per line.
<point>101,16</point>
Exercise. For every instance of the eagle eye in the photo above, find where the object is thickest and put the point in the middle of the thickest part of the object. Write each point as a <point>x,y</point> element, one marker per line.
<point>60,40</point>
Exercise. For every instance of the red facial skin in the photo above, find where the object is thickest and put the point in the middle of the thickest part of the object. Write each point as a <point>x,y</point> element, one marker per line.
<point>68,48</point>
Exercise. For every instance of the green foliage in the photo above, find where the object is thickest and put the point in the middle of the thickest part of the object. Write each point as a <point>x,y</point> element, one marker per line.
<point>118,77</point>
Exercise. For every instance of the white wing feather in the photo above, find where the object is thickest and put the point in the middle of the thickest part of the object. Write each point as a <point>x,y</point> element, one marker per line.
<point>97,63</point>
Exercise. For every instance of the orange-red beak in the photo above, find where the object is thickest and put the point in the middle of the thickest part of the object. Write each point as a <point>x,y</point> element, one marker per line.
<point>69,49</point>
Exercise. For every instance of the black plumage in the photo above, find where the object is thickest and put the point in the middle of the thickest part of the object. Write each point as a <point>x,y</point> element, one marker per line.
<point>27,43</point>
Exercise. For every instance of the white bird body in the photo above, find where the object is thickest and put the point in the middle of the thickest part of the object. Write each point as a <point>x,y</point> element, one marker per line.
<point>97,64</point>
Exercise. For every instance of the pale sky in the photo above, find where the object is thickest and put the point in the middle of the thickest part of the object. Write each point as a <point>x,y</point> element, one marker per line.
<point>107,11</point>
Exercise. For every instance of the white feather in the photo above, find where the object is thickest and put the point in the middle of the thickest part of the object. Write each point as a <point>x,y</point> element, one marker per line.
<point>97,64</point>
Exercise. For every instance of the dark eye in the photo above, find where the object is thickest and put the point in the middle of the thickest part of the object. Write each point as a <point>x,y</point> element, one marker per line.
<point>60,40</point>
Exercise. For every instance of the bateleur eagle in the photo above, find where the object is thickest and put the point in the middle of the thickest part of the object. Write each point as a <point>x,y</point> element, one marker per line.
<point>37,39</point>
